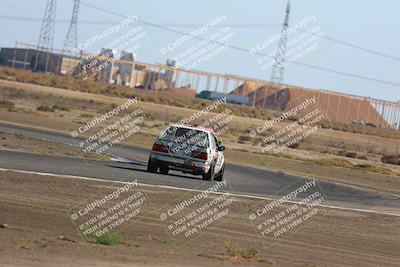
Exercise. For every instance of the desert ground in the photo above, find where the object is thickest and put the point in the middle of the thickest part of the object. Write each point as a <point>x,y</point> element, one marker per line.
<point>35,208</point>
<point>37,231</point>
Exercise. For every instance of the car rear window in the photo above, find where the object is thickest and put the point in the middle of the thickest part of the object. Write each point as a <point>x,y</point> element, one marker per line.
<point>168,134</point>
<point>184,135</point>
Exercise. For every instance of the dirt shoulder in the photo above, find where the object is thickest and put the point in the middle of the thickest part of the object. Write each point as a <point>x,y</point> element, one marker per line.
<point>23,143</point>
<point>39,232</point>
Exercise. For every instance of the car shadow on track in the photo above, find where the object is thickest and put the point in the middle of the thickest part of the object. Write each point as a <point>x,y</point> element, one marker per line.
<point>141,170</point>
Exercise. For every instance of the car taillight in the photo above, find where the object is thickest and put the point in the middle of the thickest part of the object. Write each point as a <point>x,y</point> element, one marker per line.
<point>160,148</point>
<point>200,155</point>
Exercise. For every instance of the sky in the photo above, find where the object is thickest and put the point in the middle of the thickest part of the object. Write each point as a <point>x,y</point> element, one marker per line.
<point>368,24</point>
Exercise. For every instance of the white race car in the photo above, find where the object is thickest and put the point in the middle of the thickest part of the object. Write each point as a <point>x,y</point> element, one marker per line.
<point>189,149</point>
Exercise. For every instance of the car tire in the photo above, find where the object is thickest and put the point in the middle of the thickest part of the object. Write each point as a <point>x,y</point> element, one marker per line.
<point>164,169</point>
<point>209,176</point>
<point>151,166</point>
<point>220,176</point>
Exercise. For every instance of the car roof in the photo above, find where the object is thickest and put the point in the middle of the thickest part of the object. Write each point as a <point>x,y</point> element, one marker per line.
<point>193,127</point>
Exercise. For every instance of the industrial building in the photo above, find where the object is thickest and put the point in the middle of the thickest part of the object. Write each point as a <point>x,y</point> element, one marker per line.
<point>37,60</point>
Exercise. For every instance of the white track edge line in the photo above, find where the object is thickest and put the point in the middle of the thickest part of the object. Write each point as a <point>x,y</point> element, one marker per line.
<point>188,189</point>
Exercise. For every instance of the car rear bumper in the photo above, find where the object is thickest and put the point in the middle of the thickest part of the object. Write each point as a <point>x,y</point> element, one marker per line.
<point>196,167</point>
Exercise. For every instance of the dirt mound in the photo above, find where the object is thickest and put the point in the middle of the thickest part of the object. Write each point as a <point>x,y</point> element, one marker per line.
<point>259,96</point>
<point>246,88</point>
<point>256,92</point>
<point>335,107</point>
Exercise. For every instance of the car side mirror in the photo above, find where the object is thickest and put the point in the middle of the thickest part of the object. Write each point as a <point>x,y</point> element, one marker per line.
<point>221,148</point>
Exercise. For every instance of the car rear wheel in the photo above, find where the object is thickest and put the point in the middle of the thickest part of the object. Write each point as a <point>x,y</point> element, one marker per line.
<point>220,176</point>
<point>210,175</point>
<point>151,166</point>
<point>164,169</point>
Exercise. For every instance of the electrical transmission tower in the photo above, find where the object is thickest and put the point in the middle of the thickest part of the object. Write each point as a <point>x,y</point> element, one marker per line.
<point>278,69</point>
<point>46,38</point>
<point>71,41</point>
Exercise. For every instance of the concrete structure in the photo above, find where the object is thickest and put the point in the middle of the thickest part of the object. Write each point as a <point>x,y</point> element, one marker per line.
<point>125,69</point>
<point>170,75</point>
<point>105,65</point>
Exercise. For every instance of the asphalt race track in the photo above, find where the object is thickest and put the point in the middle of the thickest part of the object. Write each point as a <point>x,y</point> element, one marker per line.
<point>240,179</point>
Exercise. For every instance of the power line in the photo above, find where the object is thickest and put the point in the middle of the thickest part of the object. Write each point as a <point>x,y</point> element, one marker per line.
<point>5,17</point>
<point>247,51</point>
<point>355,46</point>
<point>271,25</point>
<point>240,25</point>
<point>361,48</point>
<point>168,24</point>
